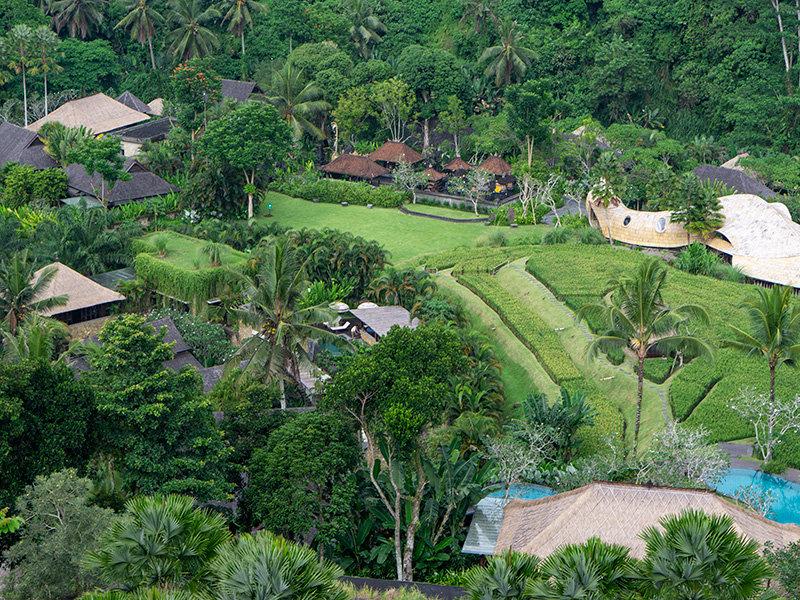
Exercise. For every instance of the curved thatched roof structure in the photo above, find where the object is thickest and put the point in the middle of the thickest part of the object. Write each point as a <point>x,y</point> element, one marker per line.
<point>496,165</point>
<point>353,165</point>
<point>759,236</point>
<point>396,152</point>
<point>617,513</point>
<point>735,180</point>
<point>457,165</point>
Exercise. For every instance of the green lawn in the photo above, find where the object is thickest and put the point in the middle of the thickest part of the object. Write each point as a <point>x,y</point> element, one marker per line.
<point>407,237</point>
<point>187,252</point>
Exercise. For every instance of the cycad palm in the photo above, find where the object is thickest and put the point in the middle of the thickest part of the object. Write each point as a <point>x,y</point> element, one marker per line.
<point>366,27</point>
<point>505,576</point>
<point>774,330</point>
<point>165,542</point>
<point>510,56</point>
<point>191,39</point>
<point>78,16</point>
<point>265,565</point>
<point>639,319</point>
<point>701,556</point>
<point>20,288</point>
<point>297,102</point>
<point>141,20</point>
<point>282,329</point>
<point>237,13</point>
<point>44,54</point>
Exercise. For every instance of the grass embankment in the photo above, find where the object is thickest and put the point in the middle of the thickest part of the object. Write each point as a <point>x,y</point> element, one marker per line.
<point>407,237</point>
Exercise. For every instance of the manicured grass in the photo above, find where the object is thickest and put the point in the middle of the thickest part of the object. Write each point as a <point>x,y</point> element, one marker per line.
<point>183,251</point>
<point>445,212</point>
<point>407,237</point>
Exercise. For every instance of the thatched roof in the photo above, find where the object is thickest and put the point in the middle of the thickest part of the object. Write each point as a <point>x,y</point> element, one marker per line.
<point>734,162</point>
<point>133,102</point>
<point>156,107</point>
<point>496,165</point>
<point>734,179</point>
<point>354,165</point>
<point>381,318</point>
<point>396,152</point>
<point>617,513</point>
<point>81,291</point>
<point>99,113</point>
<point>143,184</point>
<point>237,90</point>
<point>434,175</point>
<point>18,144</point>
<point>154,131</point>
<point>457,165</point>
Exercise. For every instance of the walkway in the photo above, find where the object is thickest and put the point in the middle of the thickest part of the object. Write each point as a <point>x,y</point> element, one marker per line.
<point>553,301</point>
<point>570,206</point>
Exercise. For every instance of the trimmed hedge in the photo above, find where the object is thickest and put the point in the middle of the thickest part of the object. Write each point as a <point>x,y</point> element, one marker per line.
<point>608,421</point>
<point>691,385</point>
<point>336,191</point>
<point>657,370</point>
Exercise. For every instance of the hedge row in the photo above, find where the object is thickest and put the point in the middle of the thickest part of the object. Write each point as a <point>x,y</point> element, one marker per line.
<point>526,325</point>
<point>657,370</point>
<point>691,385</point>
<point>607,421</point>
<point>336,191</point>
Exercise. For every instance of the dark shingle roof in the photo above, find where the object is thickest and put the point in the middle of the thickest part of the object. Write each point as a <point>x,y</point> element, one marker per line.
<point>133,102</point>
<point>355,166</point>
<point>154,130</point>
<point>237,90</point>
<point>143,184</point>
<point>734,179</point>
<point>20,145</point>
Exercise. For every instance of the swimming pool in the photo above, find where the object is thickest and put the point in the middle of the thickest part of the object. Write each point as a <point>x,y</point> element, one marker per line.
<point>525,491</point>
<point>786,503</point>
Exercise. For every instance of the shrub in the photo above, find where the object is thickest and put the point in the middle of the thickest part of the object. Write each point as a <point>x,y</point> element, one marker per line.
<point>616,356</point>
<point>697,260</point>
<point>335,191</point>
<point>576,221</point>
<point>555,236</point>
<point>728,272</point>
<point>208,341</point>
<point>774,467</point>
<point>608,420</point>
<point>531,239</point>
<point>592,237</point>
<point>657,370</point>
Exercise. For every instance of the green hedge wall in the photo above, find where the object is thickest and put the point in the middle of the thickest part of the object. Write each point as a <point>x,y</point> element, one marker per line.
<point>691,385</point>
<point>608,421</point>
<point>657,370</point>
<point>336,191</point>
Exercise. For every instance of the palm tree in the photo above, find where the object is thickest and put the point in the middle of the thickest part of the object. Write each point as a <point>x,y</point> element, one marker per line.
<point>481,11</point>
<point>593,570</point>
<point>191,39</point>
<point>640,320</point>
<point>18,49</point>
<point>265,565</point>
<point>701,556</point>
<point>20,288</point>
<point>273,296</point>
<point>297,102</point>
<point>774,330</point>
<point>141,20</point>
<point>164,542</point>
<point>35,339</point>
<point>78,16</point>
<point>366,27</point>
<point>505,576</point>
<point>238,13</point>
<point>44,51</point>
<point>143,594</point>
<point>510,56</point>
<point>60,141</point>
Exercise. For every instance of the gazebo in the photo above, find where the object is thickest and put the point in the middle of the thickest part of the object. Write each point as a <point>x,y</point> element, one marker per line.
<point>496,166</point>
<point>354,166</point>
<point>436,180</point>
<point>458,164</point>
<point>393,153</point>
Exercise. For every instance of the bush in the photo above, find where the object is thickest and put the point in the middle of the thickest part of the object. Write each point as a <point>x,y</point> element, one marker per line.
<point>608,420</point>
<point>208,341</point>
<point>728,272</point>
<point>691,385</point>
<point>336,191</point>
<point>774,467</point>
<point>616,356</point>
<point>697,260</point>
<point>555,236</point>
<point>592,237</point>
<point>657,370</point>
<point>576,221</point>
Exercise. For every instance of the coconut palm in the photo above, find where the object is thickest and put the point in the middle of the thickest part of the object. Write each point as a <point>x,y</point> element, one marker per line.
<point>191,39</point>
<point>141,20</point>
<point>163,543</point>
<point>35,339</point>
<point>265,565</point>
<point>697,555</point>
<point>297,102</point>
<point>237,13</point>
<point>639,320</point>
<point>18,47</point>
<point>366,27</point>
<point>510,56</point>
<point>78,16</point>
<point>481,11</point>
<point>505,576</point>
<point>278,348</point>
<point>20,288</point>
<point>44,54</point>
<point>774,330</point>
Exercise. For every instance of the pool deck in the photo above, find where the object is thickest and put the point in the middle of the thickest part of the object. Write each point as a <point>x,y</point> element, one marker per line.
<point>736,451</point>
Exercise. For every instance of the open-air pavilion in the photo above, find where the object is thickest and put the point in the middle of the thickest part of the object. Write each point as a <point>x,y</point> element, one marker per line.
<point>354,166</point>
<point>393,153</point>
<point>375,322</point>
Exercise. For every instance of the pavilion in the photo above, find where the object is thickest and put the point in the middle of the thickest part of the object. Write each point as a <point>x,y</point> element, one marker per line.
<point>354,166</point>
<point>393,153</point>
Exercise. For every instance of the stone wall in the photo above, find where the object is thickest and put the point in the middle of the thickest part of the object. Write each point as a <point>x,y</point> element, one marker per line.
<point>87,329</point>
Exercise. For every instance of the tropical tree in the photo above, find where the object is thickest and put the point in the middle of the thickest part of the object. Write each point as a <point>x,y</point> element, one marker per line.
<point>78,16</point>
<point>164,542</point>
<point>101,156</point>
<point>608,170</point>
<point>505,577</point>
<point>272,297</point>
<point>237,13</point>
<point>366,27</point>
<point>20,288</point>
<point>44,54</point>
<point>297,102</point>
<point>774,330</point>
<point>639,320</point>
<point>18,50</point>
<point>508,57</point>
<point>267,566</point>
<point>141,20</point>
<point>481,11</point>
<point>697,555</point>
<point>35,339</point>
<point>191,38</point>
<point>61,142</point>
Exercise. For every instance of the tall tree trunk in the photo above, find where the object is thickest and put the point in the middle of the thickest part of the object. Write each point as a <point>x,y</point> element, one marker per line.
<point>426,135</point>
<point>152,55</point>
<point>787,63</point>
<point>638,407</point>
<point>282,387</point>
<point>24,92</point>
<point>242,42</point>
<point>413,526</point>
<point>45,92</point>
<point>772,368</point>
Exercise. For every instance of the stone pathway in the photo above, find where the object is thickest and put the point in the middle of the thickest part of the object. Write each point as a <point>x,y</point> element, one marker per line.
<point>589,337</point>
<point>570,206</point>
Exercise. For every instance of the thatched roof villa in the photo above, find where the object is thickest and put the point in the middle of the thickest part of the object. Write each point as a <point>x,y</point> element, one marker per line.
<point>237,90</point>
<point>354,166</point>
<point>735,180</point>
<point>458,164</point>
<point>142,184</point>
<point>393,153</point>
<point>23,146</point>
<point>131,101</point>
<point>87,300</point>
<point>496,166</point>
<point>98,112</point>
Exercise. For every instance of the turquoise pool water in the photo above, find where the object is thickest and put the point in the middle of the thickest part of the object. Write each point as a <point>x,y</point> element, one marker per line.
<point>786,504</point>
<point>528,492</point>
